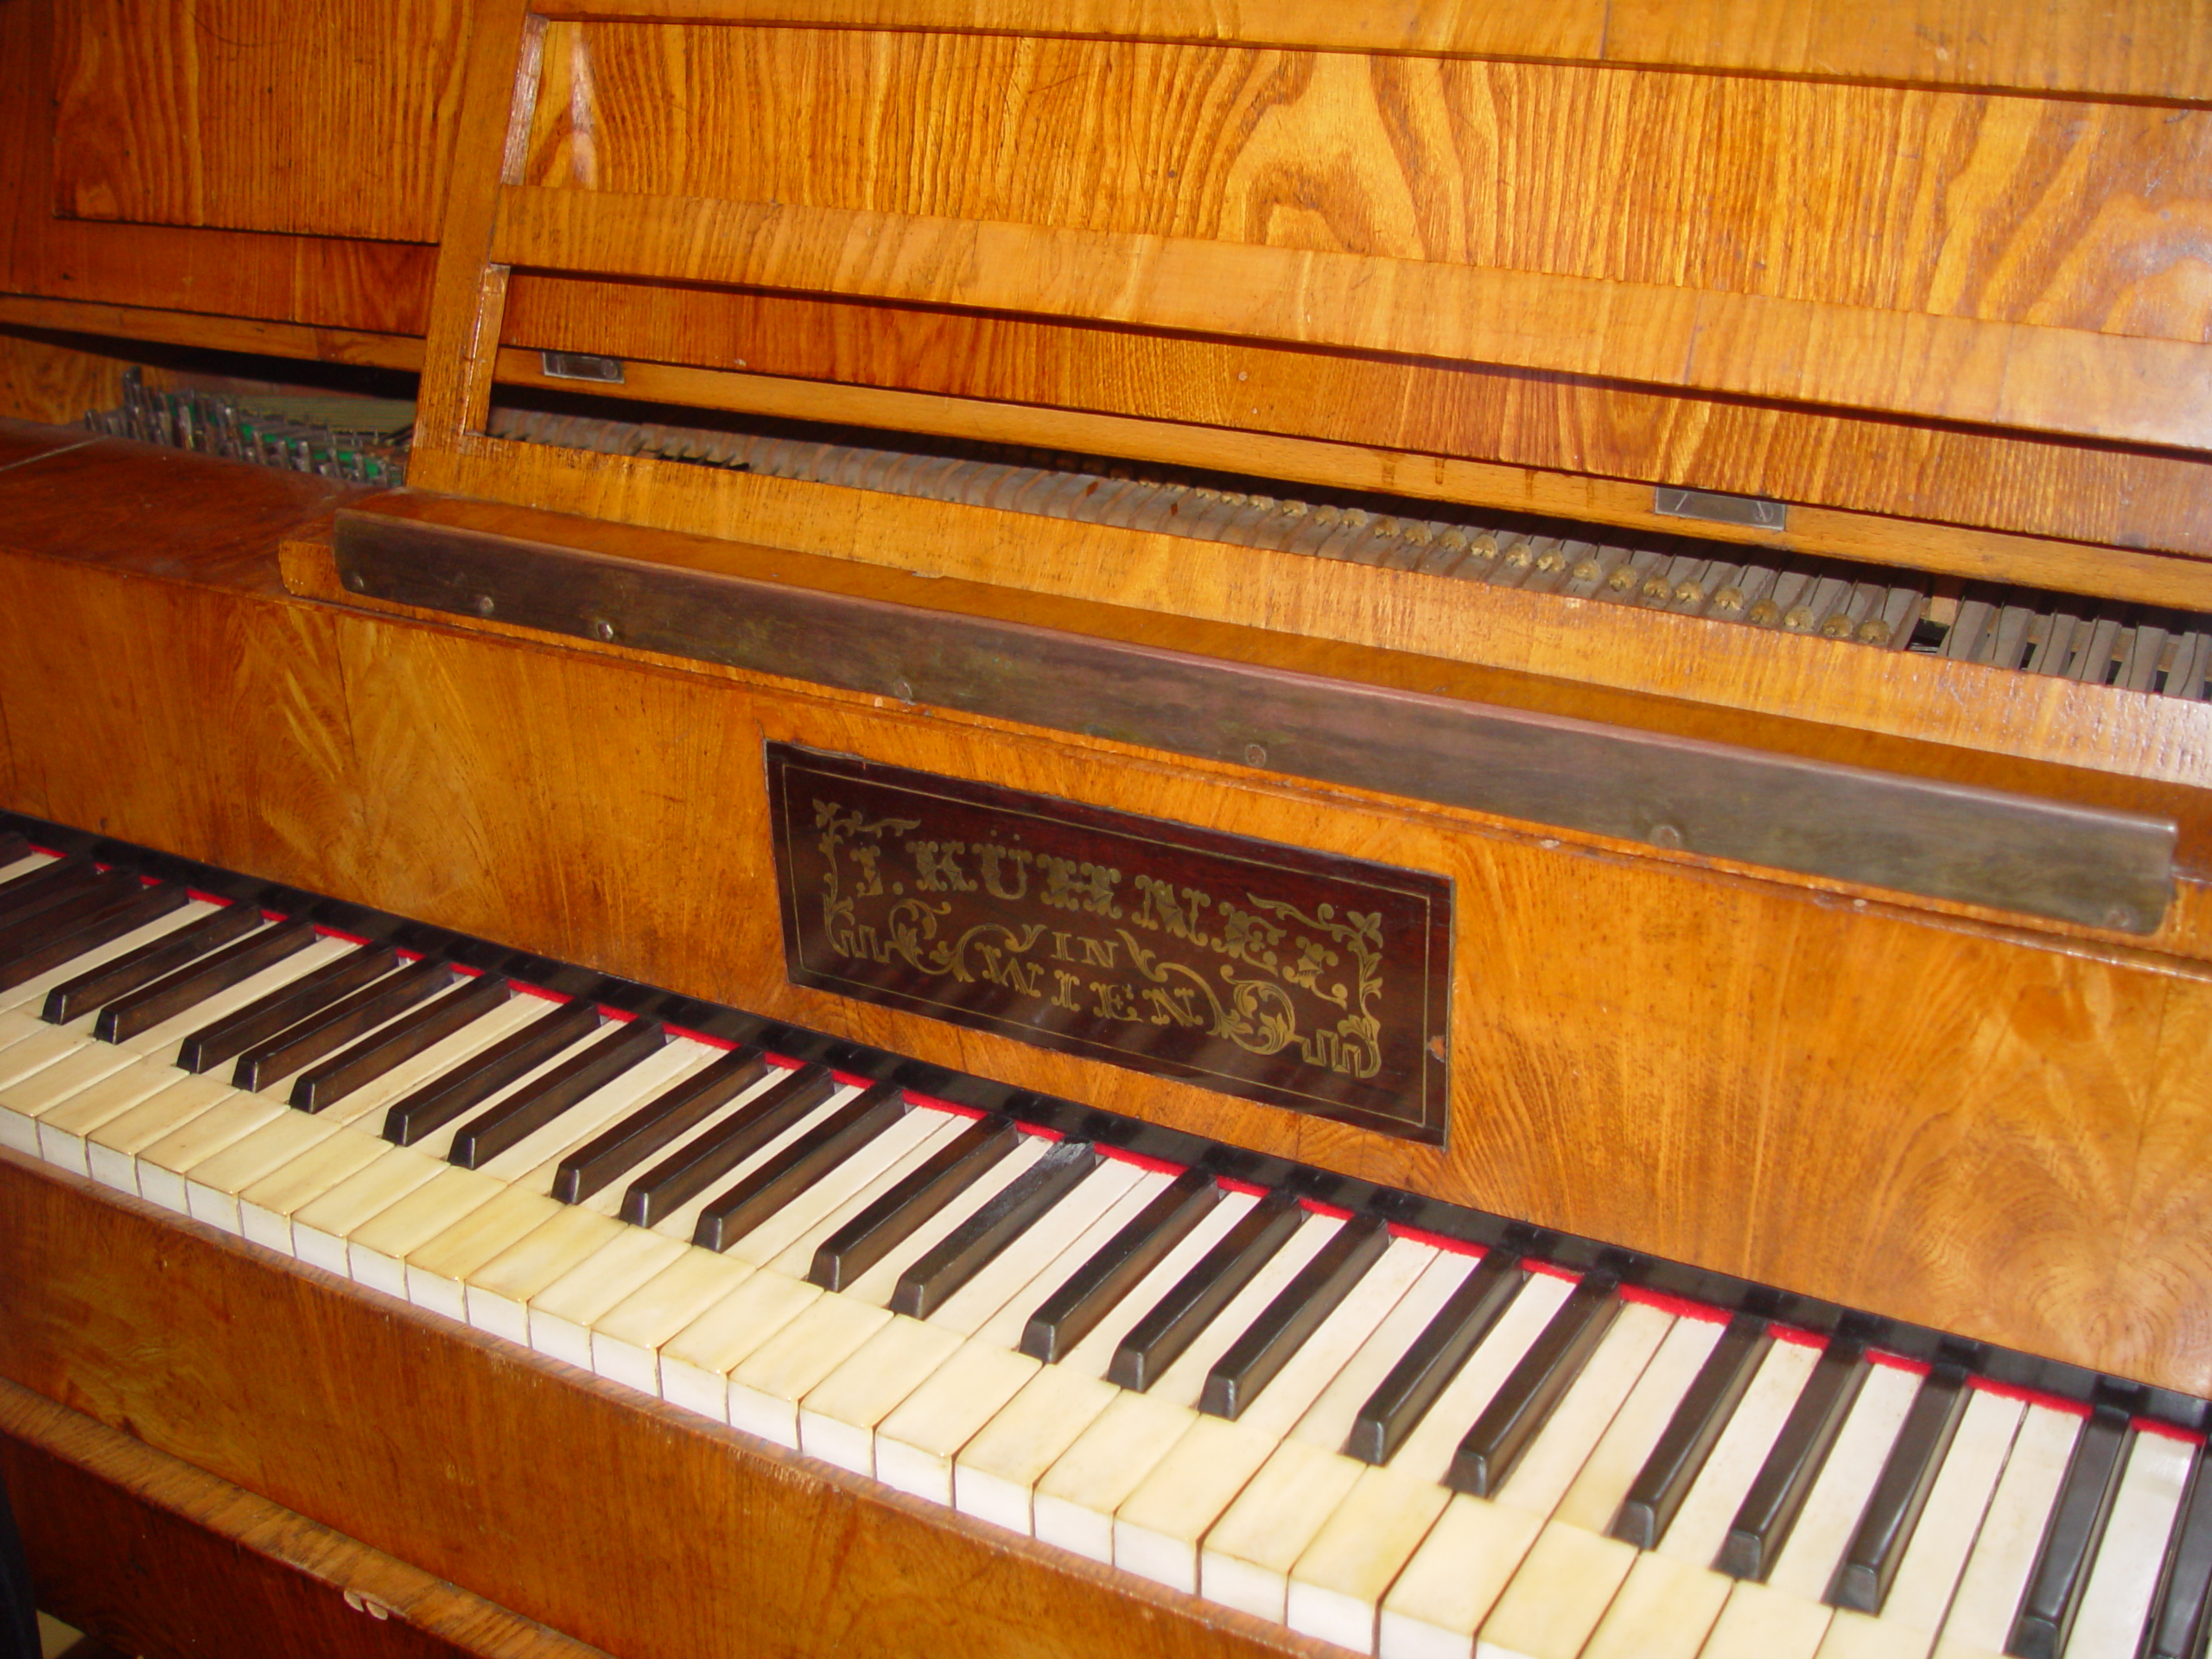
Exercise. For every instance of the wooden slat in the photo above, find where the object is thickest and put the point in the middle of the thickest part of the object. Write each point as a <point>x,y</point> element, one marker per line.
<point>639,1528</point>
<point>302,118</point>
<point>164,1559</point>
<point>1950,475</point>
<point>1468,485</point>
<point>2143,49</point>
<point>139,322</point>
<point>2066,214</point>
<point>1951,368</point>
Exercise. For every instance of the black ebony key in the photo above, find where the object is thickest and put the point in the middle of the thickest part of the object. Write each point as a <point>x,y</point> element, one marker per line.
<point>477,1078</point>
<point>538,1101</point>
<point>1403,1398</point>
<point>675,1111</point>
<point>690,1170</point>
<point>1679,1457</point>
<point>329,1029</point>
<point>1523,1402</point>
<point>194,983</point>
<point>951,1170</point>
<point>1174,1322</point>
<point>975,1242</point>
<point>2181,1608</point>
<point>35,889</point>
<point>799,1166</point>
<point>1297,1312</point>
<point>13,847</point>
<point>124,913</point>
<point>1771,1509</point>
<point>1886,1525</point>
<point>1096,1288</point>
<point>72,998</point>
<point>68,912</point>
<point>322,1086</point>
<point>2070,1537</point>
<point>283,1007</point>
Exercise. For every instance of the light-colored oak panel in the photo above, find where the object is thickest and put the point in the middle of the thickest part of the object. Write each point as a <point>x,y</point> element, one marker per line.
<point>2147,49</point>
<point>2005,209</point>
<point>323,117</point>
<point>1950,368</point>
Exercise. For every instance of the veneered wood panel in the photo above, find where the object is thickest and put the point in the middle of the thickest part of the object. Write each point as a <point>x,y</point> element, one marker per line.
<point>161,1560</point>
<point>644,1530</point>
<point>2066,214</point>
<point>377,286</point>
<point>2041,379</point>
<point>328,117</point>
<point>2144,48</point>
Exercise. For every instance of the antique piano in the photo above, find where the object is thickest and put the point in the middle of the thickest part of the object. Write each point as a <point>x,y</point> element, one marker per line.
<point>1242,828</point>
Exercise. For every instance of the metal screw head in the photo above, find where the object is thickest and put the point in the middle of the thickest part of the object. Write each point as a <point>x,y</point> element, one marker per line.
<point>484,605</point>
<point>1664,835</point>
<point>602,629</point>
<point>902,691</point>
<point>2120,918</point>
<point>1255,755</point>
<point>355,582</point>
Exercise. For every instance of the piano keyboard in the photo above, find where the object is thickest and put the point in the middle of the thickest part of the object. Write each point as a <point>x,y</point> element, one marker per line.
<point>1380,1433</point>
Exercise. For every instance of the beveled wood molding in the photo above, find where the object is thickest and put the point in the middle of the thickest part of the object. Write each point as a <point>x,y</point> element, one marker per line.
<point>2141,50</point>
<point>2063,381</point>
<point>255,335</point>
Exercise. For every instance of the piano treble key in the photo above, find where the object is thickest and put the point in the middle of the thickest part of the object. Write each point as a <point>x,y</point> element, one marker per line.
<point>289,1003</point>
<point>1072,1311</point>
<point>733,1214</point>
<point>1487,1456</point>
<point>322,1086</point>
<point>1761,1529</point>
<point>331,1029</point>
<point>2115,1602</point>
<point>437,1101</point>
<point>125,911</point>
<point>538,1101</point>
<point>963,1253</point>
<point>666,1117</point>
<point>128,972</point>
<point>1255,1358</point>
<point>1174,1322</point>
<point>2181,1607</point>
<point>1679,1457</point>
<point>864,1241</point>
<point>147,1007</point>
<point>1404,1397</point>
<point>695,1166</point>
<point>1885,1532</point>
<point>2070,1537</point>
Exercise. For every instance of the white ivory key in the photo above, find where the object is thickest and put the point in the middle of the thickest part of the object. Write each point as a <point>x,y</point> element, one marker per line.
<point>62,1128</point>
<point>695,1362</point>
<point>1602,1485</point>
<point>211,1191</point>
<point>1981,1618</point>
<point>2116,1601</point>
<point>626,1343</point>
<point>266,1206</point>
<point>24,1103</point>
<point>163,1164</point>
<point>563,1314</point>
<point>112,1150</point>
<point>1702,1522</point>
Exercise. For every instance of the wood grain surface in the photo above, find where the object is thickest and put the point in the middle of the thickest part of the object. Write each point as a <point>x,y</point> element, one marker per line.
<point>2148,48</point>
<point>1203,374</point>
<point>1991,710</point>
<point>646,1531</point>
<point>2041,379</point>
<point>380,287</point>
<point>1910,1110</point>
<point>2062,214</point>
<point>325,117</point>
<point>163,1559</point>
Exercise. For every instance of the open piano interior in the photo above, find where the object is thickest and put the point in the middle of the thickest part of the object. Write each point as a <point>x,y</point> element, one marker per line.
<point>932,829</point>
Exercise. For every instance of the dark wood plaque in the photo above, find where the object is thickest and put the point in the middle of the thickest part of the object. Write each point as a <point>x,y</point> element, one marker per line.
<point>1297,978</point>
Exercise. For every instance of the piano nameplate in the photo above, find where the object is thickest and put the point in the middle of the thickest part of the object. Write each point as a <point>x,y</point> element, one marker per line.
<point>1297,978</point>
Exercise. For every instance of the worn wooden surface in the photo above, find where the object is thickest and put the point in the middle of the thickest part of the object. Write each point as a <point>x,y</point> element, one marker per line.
<point>2148,48</point>
<point>648,1532</point>
<point>2071,215</point>
<point>382,287</point>
<point>304,117</point>
<point>1964,705</point>
<point>165,1560</point>
<point>1914,1110</point>
<point>2125,492</point>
